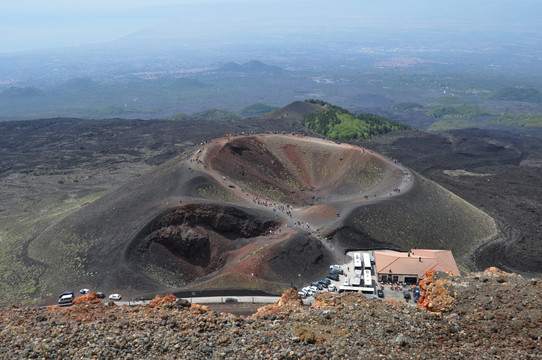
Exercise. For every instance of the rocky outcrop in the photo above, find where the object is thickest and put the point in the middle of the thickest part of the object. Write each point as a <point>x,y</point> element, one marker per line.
<point>290,301</point>
<point>490,318</point>
<point>437,293</point>
<point>90,298</point>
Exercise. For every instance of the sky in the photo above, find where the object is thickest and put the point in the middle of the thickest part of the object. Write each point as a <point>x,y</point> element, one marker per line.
<point>37,24</point>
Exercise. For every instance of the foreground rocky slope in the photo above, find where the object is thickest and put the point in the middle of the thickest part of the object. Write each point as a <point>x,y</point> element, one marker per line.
<point>492,315</point>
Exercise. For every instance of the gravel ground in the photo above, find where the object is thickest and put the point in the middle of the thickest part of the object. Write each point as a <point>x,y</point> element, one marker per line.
<point>491,315</point>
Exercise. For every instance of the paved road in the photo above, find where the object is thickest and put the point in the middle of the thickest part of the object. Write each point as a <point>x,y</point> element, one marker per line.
<point>214,300</point>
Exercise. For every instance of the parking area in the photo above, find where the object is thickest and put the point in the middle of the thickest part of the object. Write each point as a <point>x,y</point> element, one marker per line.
<point>397,294</point>
<point>342,278</point>
<point>353,276</point>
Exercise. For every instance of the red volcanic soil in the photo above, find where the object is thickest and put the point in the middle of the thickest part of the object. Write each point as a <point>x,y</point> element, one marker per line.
<point>298,170</point>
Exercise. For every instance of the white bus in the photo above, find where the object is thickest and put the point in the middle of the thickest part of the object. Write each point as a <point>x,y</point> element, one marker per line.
<point>366,261</point>
<point>347,288</point>
<point>367,280</point>
<point>357,261</point>
<point>367,290</point>
<point>356,280</point>
<point>364,290</point>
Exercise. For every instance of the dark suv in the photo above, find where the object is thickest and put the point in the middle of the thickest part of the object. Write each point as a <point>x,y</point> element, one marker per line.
<point>336,271</point>
<point>325,282</point>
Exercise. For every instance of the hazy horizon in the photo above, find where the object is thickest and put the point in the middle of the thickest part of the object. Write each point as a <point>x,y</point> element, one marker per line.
<point>100,58</point>
<point>31,24</point>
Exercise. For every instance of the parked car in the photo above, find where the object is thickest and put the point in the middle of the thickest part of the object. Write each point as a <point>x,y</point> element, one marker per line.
<point>66,298</point>
<point>336,271</point>
<point>84,291</point>
<point>380,293</point>
<point>66,293</point>
<point>101,295</point>
<point>231,300</point>
<point>302,294</point>
<point>346,281</point>
<point>320,286</point>
<point>331,287</point>
<point>324,282</point>
<point>406,294</point>
<point>333,276</point>
<point>115,297</point>
<point>417,293</point>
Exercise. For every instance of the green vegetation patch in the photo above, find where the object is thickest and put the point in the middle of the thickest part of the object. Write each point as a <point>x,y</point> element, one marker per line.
<point>338,123</point>
<point>450,100</point>
<point>407,106</point>
<point>519,120</point>
<point>466,112</point>
<point>257,109</point>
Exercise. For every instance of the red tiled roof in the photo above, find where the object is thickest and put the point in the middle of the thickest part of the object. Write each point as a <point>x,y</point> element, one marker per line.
<point>418,263</point>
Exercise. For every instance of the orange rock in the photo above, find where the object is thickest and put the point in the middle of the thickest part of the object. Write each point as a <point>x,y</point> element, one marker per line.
<point>325,300</point>
<point>496,270</point>
<point>161,300</point>
<point>436,294</point>
<point>290,298</point>
<point>200,309</point>
<point>90,298</point>
<point>289,301</point>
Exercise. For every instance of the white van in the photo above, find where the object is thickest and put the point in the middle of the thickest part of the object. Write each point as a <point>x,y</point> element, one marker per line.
<point>346,281</point>
<point>65,299</point>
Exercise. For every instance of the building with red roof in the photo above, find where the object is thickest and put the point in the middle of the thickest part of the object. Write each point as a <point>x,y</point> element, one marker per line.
<point>410,267</point>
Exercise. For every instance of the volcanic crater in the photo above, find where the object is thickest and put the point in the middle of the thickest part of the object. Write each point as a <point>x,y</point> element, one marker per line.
<point>285,193</point>
<point>256,212</point>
